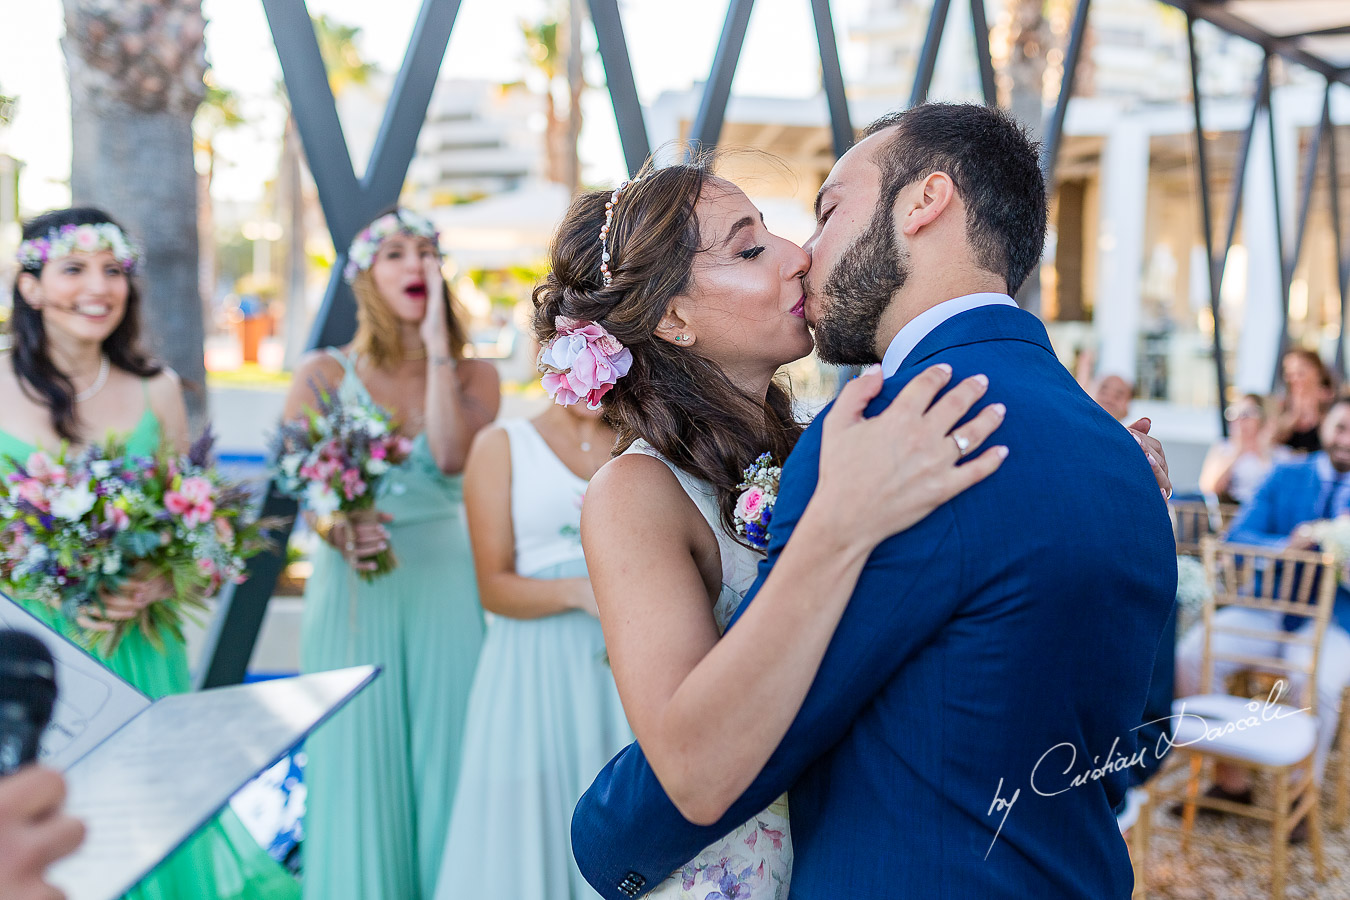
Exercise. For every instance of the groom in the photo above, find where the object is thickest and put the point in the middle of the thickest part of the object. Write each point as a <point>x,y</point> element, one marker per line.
<point>969,733</point>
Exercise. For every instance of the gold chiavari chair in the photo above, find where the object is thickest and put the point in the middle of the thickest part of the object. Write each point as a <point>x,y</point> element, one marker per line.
<point>1276,739</point>
<point>1342,812</point>
<point>1192,520</point>
<point>1190,523</point>
<point>1227,512</point>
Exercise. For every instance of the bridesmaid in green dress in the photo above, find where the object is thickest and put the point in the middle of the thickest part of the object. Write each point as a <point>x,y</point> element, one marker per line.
<point>381,775</point>
<point>75,375</point>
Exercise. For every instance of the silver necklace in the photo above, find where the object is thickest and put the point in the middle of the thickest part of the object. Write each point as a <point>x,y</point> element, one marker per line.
<point>104,367</point>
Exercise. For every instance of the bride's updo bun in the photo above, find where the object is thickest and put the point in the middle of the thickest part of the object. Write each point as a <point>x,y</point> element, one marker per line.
<point>672,397</point>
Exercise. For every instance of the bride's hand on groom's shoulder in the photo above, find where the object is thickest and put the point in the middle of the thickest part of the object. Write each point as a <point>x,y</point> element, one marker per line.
<point>882,475</point>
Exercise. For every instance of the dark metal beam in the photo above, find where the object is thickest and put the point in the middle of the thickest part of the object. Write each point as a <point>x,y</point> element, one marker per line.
<point>1207,225</point>
<point>1218,13</point>
<point>1309,180</point>
<point>1337,230</point>
<point>923,71</point>
<point>1286,271</point>
<point>832,78</point>
<point>1054,129</point>
<point>1240,170</point>
<point>314,111</point>
<point>712,108</point>
<point>1321,32</point>
<point>623,93</point>
<point>409,98</point>
<point>979,23</point>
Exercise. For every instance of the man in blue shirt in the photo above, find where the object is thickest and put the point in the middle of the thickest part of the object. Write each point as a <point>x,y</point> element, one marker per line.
<point>1292,496</point>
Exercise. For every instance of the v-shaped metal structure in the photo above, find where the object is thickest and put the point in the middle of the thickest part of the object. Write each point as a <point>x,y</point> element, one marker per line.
<point>1322,43</point>
<point>349,202</point>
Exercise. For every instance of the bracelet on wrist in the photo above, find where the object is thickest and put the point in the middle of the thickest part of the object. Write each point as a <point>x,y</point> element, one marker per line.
<point>324,525</point>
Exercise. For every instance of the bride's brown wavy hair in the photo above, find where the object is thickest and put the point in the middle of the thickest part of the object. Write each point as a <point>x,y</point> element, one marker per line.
<point>677,400</point>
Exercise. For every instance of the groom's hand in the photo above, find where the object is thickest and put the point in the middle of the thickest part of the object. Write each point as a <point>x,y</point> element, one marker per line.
<point>1153,449</point>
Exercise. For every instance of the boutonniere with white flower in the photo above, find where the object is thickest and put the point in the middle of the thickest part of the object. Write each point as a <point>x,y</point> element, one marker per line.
<point>754,507</point>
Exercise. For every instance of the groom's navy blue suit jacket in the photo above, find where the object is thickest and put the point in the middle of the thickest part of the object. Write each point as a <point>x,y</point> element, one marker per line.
<point>1000,647</point>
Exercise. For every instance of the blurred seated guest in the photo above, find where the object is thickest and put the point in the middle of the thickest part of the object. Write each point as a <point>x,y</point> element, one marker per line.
<point>544,713</point>
<point>1234,468</point>
<point>1309,390</point>
<point>34,832</point>
<point>1113,394</point>
<point>1293,495</point>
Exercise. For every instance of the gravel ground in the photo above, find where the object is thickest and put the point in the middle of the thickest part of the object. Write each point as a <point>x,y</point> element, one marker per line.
<point>1214,873</point>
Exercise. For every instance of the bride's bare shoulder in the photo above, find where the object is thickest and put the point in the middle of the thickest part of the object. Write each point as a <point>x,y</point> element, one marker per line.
<point>632,474</point>
<point>634,488</point>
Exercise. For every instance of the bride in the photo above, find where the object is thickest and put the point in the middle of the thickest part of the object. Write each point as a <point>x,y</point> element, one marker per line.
<point>671,304</point>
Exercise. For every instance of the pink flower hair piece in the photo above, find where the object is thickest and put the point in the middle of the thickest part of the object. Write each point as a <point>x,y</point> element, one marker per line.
<point>582,361</point>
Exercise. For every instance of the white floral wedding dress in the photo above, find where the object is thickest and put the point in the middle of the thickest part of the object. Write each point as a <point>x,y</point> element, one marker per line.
<point>754,862</point>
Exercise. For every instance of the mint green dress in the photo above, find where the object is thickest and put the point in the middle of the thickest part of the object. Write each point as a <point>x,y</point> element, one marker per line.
<point>222,861</point>
<point>380,778</point>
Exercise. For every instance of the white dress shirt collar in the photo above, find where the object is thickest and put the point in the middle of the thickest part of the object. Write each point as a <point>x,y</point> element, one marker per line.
<point>922,325</point>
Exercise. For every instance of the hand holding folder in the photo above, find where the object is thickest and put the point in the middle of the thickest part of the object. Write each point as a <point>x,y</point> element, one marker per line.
<point>145,775</point>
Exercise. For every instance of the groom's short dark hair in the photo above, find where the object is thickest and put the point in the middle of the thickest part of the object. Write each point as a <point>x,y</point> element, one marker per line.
<point>996,170</point>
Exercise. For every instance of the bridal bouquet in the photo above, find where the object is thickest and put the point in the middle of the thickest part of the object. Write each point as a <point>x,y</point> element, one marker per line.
<point>334,460</point>
<point>76,530</point>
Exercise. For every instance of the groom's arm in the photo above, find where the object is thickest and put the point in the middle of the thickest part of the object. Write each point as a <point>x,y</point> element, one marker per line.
<point>626,832</point>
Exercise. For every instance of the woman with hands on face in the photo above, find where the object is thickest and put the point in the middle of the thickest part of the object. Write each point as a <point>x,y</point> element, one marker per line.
<point>382,774</point>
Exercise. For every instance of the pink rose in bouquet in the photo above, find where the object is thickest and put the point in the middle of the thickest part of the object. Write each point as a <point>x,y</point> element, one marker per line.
<point>335,460</point>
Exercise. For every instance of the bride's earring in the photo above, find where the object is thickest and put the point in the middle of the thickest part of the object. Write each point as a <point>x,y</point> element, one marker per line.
<point>684,339</point>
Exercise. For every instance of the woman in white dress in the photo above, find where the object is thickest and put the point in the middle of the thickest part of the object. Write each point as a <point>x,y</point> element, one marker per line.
<point>671,305</point>
<point>543,714</point>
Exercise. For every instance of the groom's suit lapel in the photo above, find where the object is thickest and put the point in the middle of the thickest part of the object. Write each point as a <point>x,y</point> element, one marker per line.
<point>985,323</point>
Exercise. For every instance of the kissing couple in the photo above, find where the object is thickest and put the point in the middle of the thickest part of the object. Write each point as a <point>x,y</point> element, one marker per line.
<point>881,620</point>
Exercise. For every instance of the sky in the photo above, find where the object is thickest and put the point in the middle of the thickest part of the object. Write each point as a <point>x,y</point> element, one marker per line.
<point>670,51</point>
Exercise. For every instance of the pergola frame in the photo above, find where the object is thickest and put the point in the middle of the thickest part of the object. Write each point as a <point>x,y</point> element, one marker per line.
<point>348,203</point>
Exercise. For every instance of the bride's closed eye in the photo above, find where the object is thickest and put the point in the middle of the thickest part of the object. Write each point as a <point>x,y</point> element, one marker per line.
<point>751,253</point>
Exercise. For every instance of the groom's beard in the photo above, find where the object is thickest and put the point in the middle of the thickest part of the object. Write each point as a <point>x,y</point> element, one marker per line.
<point>860,288</point>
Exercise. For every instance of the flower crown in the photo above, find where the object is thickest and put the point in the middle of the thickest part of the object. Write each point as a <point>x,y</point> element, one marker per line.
<point>362,252</point>
<point>581,362</point>
<point>89,238</point>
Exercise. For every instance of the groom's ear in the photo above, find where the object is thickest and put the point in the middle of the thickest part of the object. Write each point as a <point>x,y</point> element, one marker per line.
<point>920,204</point>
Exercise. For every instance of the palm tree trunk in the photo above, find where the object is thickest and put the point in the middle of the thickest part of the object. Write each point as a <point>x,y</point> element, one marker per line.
<point>206,230</point>
<point>136,73</point>
<point>576,83</point>
<point>553,138</point>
